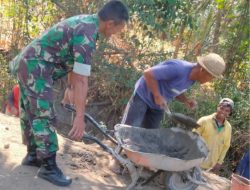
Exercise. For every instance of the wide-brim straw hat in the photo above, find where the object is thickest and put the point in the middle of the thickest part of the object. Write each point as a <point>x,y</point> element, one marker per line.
<point>213,64</point>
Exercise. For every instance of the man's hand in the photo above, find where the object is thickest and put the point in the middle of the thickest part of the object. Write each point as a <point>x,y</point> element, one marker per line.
<point>160,101</point>
<point>216,169</point>
<point>11,110</point>
<point>191,104</point>
<point>14,111</point>
<point>78,128</point>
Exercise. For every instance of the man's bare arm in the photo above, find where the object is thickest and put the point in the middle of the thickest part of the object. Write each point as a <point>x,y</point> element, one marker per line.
<point>152,85</point>
<point>80,87</point>
<point>181,98</point>
<point>189,103</point>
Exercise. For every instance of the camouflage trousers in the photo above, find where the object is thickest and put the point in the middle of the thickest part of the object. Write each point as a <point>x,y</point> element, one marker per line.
<point>37,117</point>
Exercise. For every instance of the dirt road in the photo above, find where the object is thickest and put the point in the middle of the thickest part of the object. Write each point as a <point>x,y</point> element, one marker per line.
<point>86,164</point>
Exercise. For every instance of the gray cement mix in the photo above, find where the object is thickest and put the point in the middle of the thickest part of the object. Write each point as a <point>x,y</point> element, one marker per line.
<point>161,141</point>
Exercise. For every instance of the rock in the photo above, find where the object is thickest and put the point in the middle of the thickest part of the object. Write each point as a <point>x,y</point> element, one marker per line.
<point>106,175</point>
<point>6,146</point>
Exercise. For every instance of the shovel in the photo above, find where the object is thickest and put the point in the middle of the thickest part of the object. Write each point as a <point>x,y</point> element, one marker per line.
<point>187,121</point>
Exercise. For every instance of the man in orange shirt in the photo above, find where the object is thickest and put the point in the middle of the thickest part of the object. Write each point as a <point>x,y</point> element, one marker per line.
<point>12,105</point>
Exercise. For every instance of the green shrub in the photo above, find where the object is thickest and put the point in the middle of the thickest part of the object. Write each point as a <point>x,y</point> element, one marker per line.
<point>6,81</point>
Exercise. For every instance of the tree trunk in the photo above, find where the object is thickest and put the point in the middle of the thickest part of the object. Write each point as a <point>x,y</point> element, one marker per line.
<point>188,43</point>
<point>178,41</point>
<point>217,31</point>
<point>202,35</point>
<point>17,30</point>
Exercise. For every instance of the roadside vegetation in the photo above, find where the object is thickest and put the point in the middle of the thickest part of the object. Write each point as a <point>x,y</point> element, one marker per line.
<point>158,30</point>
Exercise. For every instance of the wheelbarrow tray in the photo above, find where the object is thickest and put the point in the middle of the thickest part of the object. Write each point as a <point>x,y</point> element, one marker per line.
<point>169,149</point>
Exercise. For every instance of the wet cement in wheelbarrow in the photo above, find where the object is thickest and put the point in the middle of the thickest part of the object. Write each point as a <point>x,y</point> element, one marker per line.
<point>161,141</point>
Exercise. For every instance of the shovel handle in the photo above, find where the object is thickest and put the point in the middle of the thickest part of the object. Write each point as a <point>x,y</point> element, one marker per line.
<point>167,110</point>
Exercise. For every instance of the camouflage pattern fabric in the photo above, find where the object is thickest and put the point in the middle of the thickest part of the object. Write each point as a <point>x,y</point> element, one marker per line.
<point>37,125</point>
<point>65,47</point>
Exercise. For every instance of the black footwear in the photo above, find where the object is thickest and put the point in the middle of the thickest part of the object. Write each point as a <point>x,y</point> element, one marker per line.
<point>50,172</point>
<point>31,160</point>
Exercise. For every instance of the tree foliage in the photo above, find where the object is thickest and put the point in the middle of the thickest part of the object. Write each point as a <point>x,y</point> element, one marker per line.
<point>158,30</point>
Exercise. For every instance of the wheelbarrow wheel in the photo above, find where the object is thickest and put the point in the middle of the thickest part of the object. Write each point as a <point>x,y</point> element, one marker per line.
<point>178,181</point>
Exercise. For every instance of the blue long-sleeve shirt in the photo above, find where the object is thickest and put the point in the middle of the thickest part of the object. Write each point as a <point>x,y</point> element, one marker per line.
<point>243,167</point>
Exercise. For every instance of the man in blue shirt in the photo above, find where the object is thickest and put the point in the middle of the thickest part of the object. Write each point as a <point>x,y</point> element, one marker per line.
<point>167,81</point>
<point>243,167</point>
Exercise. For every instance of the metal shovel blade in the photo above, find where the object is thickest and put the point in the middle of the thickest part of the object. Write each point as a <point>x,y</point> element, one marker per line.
<point>189,122</point>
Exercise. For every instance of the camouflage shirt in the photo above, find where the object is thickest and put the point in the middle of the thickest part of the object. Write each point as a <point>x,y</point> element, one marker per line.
<point>67,45</point>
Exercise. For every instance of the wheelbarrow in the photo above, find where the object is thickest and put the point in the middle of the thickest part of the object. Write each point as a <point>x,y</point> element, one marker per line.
<point>174,151</point>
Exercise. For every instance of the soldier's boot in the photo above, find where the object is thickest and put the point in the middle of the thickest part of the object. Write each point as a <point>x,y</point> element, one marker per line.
<point>50,172</point>
<point>30,159</point>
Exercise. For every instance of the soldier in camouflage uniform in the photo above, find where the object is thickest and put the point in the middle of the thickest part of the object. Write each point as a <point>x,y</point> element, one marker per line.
<point>65,47</point>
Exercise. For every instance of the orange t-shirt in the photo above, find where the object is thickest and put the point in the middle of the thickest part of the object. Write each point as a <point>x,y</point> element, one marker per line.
<point>15,91</point>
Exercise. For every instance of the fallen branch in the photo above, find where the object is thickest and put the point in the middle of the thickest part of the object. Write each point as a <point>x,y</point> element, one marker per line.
<point>104,103</point>
<point>59,5</point>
